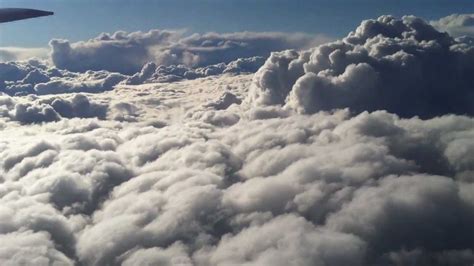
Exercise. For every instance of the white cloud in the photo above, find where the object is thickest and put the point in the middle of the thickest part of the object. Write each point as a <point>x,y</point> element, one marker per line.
<point>186,173</point>
<point>38,77</point>
<point>402,65</point>
<point>18,54</point>
<point>256,192</point>
<point>456,24</point>
<point>151,73</point>
<point>285,239</point>
<point>35,110</point>
<point>128,52</point>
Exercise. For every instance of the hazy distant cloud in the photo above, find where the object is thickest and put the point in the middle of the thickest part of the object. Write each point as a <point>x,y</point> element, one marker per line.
<point>456,24</point>
<point>16,54</point>
<point>151,73</point>
<point>121,51</point>
<point>403,65</point>
<point>128,52</point>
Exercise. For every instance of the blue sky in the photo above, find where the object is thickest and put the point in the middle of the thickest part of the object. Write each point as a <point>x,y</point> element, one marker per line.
<point>82,19</point>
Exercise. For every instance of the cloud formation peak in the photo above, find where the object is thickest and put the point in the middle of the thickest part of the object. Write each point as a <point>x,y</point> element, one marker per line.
<point>403,65</point>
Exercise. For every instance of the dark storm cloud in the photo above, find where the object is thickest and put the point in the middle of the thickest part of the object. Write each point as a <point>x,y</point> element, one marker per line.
<point>403,65</point>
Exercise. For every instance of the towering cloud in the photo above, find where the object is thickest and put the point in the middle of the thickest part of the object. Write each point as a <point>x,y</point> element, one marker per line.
<point>403,65</point>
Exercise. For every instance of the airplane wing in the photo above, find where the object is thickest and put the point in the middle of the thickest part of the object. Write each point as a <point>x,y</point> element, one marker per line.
<point>12,14</point>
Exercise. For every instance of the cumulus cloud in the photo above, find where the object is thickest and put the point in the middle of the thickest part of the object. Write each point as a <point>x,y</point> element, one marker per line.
<point>456,24</point>
<point>266,189</point>
<point>151,73</point>
<point>300,243</point>
<point>37,77</point>
<point>27,247</point>
<point>403,65</point>
<point>50,109</point>
<point>128,52</point>
<point>90,82</point>
<point>193,173</point>
<point>40,78</point>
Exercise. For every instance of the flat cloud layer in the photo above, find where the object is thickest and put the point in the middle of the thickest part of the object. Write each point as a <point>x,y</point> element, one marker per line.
<point>15,54</point>
<point>219,171</point>
<point>40,78</point>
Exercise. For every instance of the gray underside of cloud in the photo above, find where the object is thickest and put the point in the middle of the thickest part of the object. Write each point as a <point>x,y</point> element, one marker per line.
<point>330,156</point>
